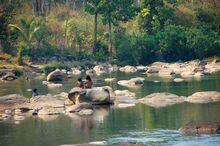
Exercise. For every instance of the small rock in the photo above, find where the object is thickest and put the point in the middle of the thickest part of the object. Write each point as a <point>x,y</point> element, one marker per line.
<point>18,118</point>
<point>110,79</point>
<point>178,80</point>
<point>85,112</point>
<point>96,143</point>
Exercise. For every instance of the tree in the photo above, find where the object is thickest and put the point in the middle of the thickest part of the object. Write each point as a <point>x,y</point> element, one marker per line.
<point>26,30</point>
<point>115,11</point>
<point>153,16</point>
<point>93,7</point>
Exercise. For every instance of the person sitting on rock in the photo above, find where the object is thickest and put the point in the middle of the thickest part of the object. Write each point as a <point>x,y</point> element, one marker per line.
<point>34,93</point>
<point>88,83</point>
<point>79,83</point>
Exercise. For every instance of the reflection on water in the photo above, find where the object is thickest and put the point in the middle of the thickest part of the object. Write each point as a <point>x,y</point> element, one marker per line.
<point>140,123</point>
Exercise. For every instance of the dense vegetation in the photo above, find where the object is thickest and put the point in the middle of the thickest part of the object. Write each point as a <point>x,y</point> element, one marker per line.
<point>126,31</point>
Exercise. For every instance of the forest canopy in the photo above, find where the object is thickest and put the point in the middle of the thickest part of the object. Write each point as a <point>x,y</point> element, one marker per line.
<point>126,31</point>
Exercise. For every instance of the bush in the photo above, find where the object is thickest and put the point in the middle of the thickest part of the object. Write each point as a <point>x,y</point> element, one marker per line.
<point>55,65</point>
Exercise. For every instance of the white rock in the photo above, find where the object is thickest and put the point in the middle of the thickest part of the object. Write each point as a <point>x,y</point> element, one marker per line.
<point>18,118</point>
<point>96,143</point>
<point>110,79</point>
<point>178,80</point>
<point>125,105</point>
<point>85,112</point>
<point>76,71</point>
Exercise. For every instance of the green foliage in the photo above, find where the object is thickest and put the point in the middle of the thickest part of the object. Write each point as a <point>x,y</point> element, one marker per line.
<point>55,65</point>
<point>153,16</point>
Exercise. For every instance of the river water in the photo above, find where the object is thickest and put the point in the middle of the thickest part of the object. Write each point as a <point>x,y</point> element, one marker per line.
<point>134,124</point>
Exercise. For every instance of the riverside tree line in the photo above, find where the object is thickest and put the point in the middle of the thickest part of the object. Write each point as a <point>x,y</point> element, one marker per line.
<point>124,31</point>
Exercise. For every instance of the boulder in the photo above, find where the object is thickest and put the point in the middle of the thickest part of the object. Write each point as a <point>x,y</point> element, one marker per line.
<point>166,72</point>
<point>134,82</point>
<point>124,99</point>
<point>112,68</point>
<point>97,95</point>
<point>52,101</point>
<point>213,67</point>
<point>161,99</point>
<point>193,128</point>
<point>76,71</point>
<point>9,77</point>
<point>100,69</point>
<point>78,107</point>
<point>128,69</point>
<point>153,70</point>
<point>4,117</point>
<point>13,99</point>
<point>187,74</point>
<point>49,110</point>
<point>204,97</point>
<point>90,72</point>
<point>141,68</point>
<point>198,75</point>
<point>56,75</point>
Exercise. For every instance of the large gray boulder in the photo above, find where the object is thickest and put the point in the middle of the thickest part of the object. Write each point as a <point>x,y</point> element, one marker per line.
<point>161,99</point>
<point>97,95</point>
<point>56,75</point>
<point>193,128</point>
<point>204,97</point>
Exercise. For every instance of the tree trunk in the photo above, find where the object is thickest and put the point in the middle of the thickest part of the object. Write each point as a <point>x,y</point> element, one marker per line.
<point>95,32</point>
<point>110,38</point>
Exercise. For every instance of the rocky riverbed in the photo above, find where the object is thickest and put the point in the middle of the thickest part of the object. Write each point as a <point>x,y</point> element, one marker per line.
<point>154,88</point>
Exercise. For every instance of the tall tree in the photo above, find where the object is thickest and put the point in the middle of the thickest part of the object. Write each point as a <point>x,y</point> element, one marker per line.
<point>115,11</point>
<point>93,7</point>
<point>154,14</point>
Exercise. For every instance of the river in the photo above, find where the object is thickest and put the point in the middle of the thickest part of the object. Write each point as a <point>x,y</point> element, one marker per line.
<point>152,126</point>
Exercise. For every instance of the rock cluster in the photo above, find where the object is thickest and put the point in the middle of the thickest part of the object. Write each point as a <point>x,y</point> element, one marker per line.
<point>188,69</point>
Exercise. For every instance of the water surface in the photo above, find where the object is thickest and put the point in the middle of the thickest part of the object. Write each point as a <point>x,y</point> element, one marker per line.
<point>140,123</point>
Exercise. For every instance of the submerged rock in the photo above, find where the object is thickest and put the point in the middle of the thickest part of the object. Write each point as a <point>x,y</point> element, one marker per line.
<point>161,99</point>
<point>193,128</point>
<point>204,97</point>
<point>125,98</point>
<point>56,75</point>
<point>134,82</point>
